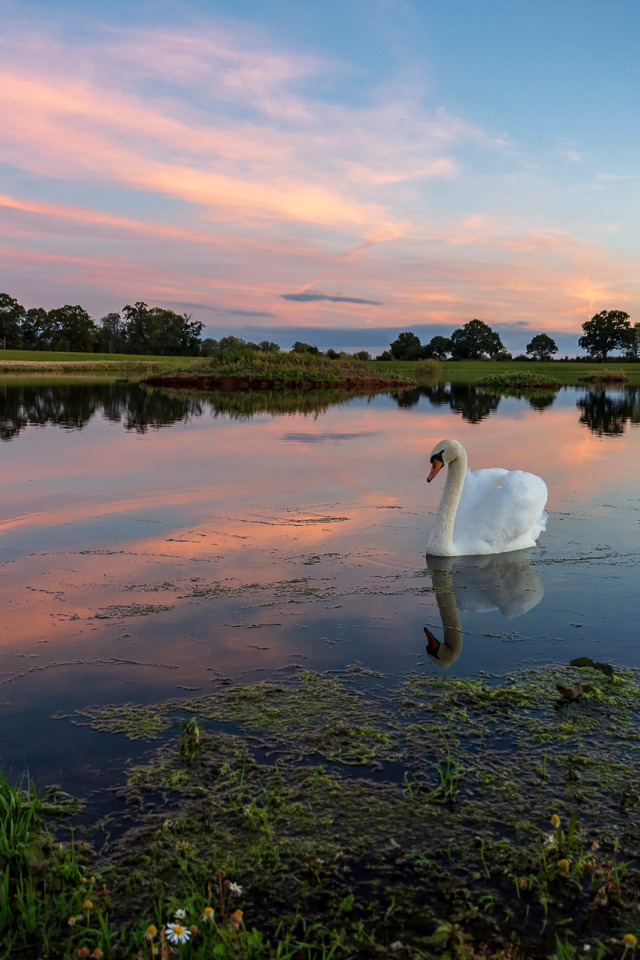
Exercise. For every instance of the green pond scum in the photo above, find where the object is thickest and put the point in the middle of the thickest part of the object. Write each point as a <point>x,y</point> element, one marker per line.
<point>339,815</point>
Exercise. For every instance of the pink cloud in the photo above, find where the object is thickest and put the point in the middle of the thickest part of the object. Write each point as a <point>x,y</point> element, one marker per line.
<point>300,190</point>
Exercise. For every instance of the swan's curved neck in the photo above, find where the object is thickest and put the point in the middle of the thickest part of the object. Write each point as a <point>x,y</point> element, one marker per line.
<point>441,540</point>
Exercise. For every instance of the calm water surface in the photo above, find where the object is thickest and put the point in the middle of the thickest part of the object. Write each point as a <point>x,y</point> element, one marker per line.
<point>149,544</point>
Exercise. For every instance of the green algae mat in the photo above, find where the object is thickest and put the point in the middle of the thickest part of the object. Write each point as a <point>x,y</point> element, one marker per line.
<point>336,815</point>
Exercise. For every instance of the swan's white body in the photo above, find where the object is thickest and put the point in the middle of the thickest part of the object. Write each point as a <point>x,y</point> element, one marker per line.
<point>484,511</point>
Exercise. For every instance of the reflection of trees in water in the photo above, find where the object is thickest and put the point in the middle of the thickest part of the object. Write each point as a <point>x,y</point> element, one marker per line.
<point>240,406</point>
<point>540,401</point>
<point>471,402</point>
<point>606,412</point>
<point>72,405</point>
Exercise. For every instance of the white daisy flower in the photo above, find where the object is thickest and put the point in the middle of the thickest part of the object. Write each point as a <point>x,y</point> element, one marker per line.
<point>236,889</point>
<point>176,933</point>
<point>180,914</point>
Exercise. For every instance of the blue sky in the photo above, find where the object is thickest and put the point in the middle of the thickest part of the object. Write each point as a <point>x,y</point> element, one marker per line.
<point>332,172</point>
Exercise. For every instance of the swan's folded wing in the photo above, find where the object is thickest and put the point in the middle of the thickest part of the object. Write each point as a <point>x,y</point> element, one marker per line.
<point>500,510</point>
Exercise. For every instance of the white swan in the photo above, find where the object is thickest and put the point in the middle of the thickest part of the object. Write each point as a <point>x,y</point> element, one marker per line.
<point>484,511</point>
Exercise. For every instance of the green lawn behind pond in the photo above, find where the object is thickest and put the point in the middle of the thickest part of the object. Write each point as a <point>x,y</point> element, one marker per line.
<point>313,367</point>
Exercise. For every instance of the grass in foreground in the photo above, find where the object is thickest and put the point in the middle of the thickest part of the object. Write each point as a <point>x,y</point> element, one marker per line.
<point>445,819</point>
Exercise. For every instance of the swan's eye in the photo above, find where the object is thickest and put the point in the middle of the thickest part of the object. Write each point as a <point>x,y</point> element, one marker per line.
<point>439,457</point>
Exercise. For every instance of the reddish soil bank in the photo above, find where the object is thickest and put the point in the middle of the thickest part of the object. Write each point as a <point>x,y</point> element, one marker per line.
<point>235,384</point>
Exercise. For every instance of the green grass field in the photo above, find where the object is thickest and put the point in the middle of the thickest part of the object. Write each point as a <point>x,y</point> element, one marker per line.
<point>472,371</point>
<point>138,367</point>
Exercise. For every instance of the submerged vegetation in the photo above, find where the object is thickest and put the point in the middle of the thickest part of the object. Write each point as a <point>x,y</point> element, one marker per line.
<point>328,816</point>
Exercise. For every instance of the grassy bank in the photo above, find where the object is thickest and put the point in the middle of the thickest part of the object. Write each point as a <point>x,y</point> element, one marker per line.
<point>113,364</point>
<point>292,366</point>
<point>328,817</point>
<point>472,371</point>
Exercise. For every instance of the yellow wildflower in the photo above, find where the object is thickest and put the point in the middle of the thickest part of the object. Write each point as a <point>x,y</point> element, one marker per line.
<point>87,905</point>
<point>563,864</point>
<point>151,932</point>
<point>555,820</point>
<point>629,940</point>
<point>207,915</point>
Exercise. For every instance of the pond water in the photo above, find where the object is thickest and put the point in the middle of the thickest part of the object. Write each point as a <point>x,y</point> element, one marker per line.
<point>151,543</point>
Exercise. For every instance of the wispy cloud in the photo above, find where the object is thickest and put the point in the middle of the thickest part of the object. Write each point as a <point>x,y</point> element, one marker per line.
<point>311,296</point>
<point>618,176</point>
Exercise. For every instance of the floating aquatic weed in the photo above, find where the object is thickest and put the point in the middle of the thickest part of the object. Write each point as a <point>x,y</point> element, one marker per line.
<point>190,745</point>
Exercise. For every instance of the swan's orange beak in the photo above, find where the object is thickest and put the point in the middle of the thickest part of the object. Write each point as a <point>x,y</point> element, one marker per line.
<point>436,466</point>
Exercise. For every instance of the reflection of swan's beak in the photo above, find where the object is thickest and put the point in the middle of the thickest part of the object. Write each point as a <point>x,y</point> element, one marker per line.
<point>433,644</point>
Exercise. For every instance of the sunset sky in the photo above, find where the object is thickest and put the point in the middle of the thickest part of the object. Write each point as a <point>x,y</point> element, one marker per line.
<point>334,171</point>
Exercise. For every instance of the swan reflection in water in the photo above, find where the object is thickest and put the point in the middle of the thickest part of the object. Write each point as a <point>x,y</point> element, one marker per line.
<point>507,582</point>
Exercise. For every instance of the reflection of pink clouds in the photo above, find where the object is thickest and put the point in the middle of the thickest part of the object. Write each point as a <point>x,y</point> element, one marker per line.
<point>256,507</point>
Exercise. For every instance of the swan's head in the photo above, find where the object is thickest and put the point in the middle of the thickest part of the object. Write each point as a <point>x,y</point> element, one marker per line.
<point>444,452</point>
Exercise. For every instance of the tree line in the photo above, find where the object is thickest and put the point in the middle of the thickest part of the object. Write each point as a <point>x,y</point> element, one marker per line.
<point>140,329</point>
<point>137,329</point>
<point>606,332</point>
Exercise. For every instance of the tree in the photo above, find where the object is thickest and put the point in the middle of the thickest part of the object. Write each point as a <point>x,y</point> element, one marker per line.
<point>208,347</point>
<point>136,326</point>
<point>633,342</point>
<point>112,333</point>
<point>162,332</point>
<point>269,346</point>
<point>606,331</point>
<point>71,328</point>
<point>542,346</point>
<point>406,347</point>
<point>300,347</point>
<point>35,329</point>
<point>438,348</point>
<point>474,340</point>
<point>11,314</point>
